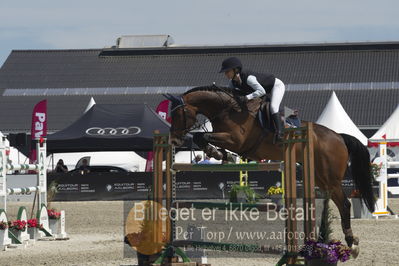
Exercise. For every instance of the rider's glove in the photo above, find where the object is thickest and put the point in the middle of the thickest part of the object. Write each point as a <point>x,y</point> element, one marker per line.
<point>242,100</point>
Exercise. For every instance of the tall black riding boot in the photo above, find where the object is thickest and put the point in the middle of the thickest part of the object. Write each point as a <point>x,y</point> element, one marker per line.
<point>279,127</point>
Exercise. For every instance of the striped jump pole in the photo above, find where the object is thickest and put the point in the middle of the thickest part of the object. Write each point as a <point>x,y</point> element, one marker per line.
<point>381,208</point>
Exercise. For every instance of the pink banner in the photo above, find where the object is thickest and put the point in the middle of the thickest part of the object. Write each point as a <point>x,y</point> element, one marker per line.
<point>163,111</point>
<point>39,126</point>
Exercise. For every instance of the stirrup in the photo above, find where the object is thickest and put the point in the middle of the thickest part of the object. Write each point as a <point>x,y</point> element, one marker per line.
<point>278,138</point>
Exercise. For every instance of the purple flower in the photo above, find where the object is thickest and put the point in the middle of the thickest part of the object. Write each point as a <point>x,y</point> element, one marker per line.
<point>332,252</point>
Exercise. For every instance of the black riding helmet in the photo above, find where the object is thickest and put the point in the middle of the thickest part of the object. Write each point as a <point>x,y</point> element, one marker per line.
<point>230,63</point>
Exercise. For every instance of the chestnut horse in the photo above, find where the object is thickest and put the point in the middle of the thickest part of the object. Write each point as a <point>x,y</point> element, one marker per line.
<point>235,129</point>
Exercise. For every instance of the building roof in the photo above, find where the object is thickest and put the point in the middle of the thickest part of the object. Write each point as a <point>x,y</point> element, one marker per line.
<point>364,75</point>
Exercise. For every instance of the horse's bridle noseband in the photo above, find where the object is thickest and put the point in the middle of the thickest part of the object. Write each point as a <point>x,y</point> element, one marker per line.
<point>181,104</point>
<point>185,129</point>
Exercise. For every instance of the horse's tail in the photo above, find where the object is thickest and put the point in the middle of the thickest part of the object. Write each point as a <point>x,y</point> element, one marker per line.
<point>361,169</point>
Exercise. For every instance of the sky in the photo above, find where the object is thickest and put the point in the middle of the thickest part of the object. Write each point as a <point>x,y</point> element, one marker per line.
<point>50,24</point>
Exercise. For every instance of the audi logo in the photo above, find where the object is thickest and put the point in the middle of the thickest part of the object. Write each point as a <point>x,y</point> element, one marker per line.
<point>110,131</point>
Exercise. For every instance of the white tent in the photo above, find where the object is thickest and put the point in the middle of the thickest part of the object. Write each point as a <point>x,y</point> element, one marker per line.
<point>334,117</point>
<point>389,130</point>
<point>90,105</point>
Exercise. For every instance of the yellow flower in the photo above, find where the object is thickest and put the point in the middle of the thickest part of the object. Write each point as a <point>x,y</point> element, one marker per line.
<point>273,190</point>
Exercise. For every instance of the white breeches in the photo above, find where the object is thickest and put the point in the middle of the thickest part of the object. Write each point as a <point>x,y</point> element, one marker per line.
<point>277,95</point>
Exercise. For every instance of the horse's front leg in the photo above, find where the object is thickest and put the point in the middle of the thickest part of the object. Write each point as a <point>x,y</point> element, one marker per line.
<point>222,139</point>
<point>203,139</point>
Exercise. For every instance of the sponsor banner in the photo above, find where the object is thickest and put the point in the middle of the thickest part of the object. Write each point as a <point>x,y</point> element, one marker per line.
<point>39,126</point>
<point>110,131</point>
<point>136,185</point>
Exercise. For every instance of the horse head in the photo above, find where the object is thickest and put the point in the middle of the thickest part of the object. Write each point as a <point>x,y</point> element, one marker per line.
<point>206,100</point>
<point>183,118</point>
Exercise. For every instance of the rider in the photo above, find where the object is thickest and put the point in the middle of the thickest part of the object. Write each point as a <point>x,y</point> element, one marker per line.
<point>256,85</point>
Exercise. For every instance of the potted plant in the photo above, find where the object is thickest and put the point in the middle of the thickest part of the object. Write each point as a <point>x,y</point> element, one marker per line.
<point>54,220</point>
<point>3,225</point>
<point>3,232</point>
<point>318,253</point>
<point>325,251</point>
<point>275,193</point>
<point>33,229</point>
<point>17,227</point>
<point>376,169</point>
<point>243,194</point>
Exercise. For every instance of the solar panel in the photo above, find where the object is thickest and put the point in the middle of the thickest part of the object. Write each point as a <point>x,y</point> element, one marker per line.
<point>182,89</point>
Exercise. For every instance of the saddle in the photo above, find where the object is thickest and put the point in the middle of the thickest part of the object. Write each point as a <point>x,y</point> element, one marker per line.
<point>265,117</point>
<point>260,109</point>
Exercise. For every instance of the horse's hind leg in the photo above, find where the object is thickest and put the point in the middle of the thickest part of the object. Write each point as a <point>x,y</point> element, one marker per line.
<point>344,207</point>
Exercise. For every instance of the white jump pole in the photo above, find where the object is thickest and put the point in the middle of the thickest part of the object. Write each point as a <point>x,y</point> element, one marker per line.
<point>382,201</point>
<point>40,167</point>
<point>3,173</point>
<point>41,149</point>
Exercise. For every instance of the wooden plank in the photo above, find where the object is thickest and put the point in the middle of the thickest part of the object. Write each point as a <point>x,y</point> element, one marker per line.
<point>226,205</point>
<point>234,247</point>
<point>227,167</point>
<point>290,195</point>
<point>169,199</point>
<point>176,264</point>
<point>157,187</point>
<point>308,184</point>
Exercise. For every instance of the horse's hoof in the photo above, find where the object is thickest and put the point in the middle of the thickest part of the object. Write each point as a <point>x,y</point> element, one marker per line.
<point>231,158</point>
<point>126,240</point>
<point>218,156</point>
<point>207,137</point>
<point>355,247</point>
<point>355,251</point>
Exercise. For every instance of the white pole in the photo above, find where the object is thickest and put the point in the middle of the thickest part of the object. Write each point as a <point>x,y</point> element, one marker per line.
<point>3,174</point>
<point>42,172</point>
<point>382,201</point>
<point>22,190</point>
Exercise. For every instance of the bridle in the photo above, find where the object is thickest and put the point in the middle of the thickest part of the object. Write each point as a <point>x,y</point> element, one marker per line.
<point>182,104</point>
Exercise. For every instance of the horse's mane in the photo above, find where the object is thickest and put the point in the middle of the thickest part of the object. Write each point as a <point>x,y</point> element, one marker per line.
<point>227,93</point>
<point>212,88</point>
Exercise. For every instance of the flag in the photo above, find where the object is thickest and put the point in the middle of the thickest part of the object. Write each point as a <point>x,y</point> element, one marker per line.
<point>39,126</point>
<point>163,110</point>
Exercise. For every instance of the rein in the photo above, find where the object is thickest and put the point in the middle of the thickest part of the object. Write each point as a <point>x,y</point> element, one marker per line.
<point>182,104</point>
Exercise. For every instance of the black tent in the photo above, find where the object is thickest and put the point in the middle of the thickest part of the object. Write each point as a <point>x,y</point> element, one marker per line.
<point>110,127</point>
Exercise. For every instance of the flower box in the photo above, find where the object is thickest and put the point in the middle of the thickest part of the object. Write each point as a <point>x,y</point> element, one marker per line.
<point>319,262</point>
<point>33,233</point>
<point>359,209</point>
<point>54,225</point>
<point>277,199</point>
<point>17,234</point>
<point>320,254</point>
<point>4,240</point>
<point>241,196</point>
